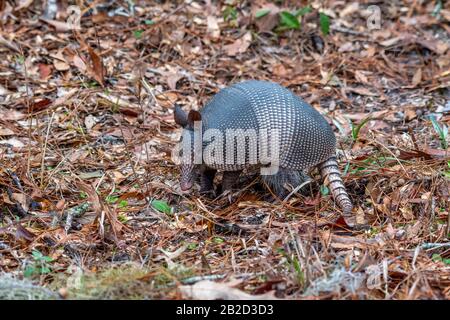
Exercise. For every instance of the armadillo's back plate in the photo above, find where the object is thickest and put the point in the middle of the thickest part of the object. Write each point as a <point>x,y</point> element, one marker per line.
<point>306,139</point>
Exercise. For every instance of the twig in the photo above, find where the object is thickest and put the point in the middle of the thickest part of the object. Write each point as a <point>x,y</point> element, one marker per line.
<point>195,279</point>
<point>296,190</point>
<point>45,149</point>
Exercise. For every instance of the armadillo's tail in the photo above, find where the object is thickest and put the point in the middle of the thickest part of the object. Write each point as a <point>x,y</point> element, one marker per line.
<point>332,177</point>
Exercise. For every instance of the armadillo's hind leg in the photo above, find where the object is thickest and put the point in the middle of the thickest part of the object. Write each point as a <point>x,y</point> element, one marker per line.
<point>229,180</point>
<point>207,182</point>
<point>332,176</point>
<point>284,181</point>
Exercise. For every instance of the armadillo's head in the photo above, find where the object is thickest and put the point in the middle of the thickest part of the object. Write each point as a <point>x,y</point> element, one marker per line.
<point>189,169</point>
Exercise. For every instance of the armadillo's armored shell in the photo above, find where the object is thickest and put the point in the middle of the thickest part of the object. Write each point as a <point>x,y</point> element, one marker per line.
<point>306,138</point>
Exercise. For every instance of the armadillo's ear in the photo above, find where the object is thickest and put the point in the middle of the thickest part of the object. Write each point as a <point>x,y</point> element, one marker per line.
<point>193,116</point>
<point>180,116</point>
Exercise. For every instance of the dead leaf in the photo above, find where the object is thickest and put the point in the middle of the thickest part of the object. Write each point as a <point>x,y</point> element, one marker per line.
<point>23,4</point>
<point>6,132</point>
<point>410,114</point>
<point>22,233</point>
<point>59,62</point>
<point>100,208</point>
<point>90,175</point>
<point>40,105</point>
<point>4,91</point>
<point>8,115</point>
<point>175,254</point>
<point>239,46</point>
<point>9,44</point>
<point>417,78</point>
<point>438,46</point>
<point>58,25</point>
<point>167,99</point>
<point>120,102</point>
<point>45,71</point>
<point>98,71</point>
<point>90,121</point>
<point>21,199</point>
<point>349,46</point>
<point>60,204</point>
<point>270,20</point>
<point>359,75</point>
<point>349,9</point>
<point>79,63</point>
<point>118,177</point>
<point>446,14</point>
<point>437,153</point>
<point>63,99</point>
<point>172,79</point>
<point>391,42</point>
<point>213,27</point>
<point>279,70</point>
<point>362,91</point>
<point>15,143</point>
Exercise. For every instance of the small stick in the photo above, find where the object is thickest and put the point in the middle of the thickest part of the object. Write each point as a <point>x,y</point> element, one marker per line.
<point>45,149</point>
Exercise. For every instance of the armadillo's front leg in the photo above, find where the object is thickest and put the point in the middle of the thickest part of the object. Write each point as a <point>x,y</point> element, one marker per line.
<point>229,180</point>
<point>207,181</point>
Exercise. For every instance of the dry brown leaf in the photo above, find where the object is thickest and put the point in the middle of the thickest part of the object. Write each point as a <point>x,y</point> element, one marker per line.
<point>14,142</point>
<point>97,71</point>
<point>45,71</point>
<point>269,21</point>
<point>6,132</point>
<point>23,4</point>
<point>22,233</point>
<point>172,79</point>
<point>167,99</point>
<point>59,25</point>
<point>348,47</point>
<point>349,9</point>
<point>22,199</point>
<point>279,70</point>
<point>391,42</point>
<point>100,208</point>
<point>8,43</point>
<point>79,63</point>
<point>417,78</point>
<point>362,91</point>
<point>119,102</point>
<point>65,98</point>
<point>4,91</point>
<point>410,114</point>
<point>40,105</point>
<point>446,14</point>
<point>118,177</point>
<point>59,62</point>
<point>438,46</point>
<point>8,115</point>
<point>213,27</point>
<point>239,46</point>
<point>90,121</point>
<point>359,75</point>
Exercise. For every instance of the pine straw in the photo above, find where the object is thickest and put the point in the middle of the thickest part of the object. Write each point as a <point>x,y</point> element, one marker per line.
<point>78,182</point>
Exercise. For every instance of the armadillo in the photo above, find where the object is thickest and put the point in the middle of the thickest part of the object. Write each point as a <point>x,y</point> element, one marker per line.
<point>304,139</point>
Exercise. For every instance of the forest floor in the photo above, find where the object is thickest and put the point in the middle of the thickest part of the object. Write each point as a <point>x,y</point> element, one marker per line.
<point>91,205</point>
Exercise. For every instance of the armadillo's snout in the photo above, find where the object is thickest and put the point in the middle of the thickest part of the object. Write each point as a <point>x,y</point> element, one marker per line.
<point>186,185</point>
<point>187,177</point>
